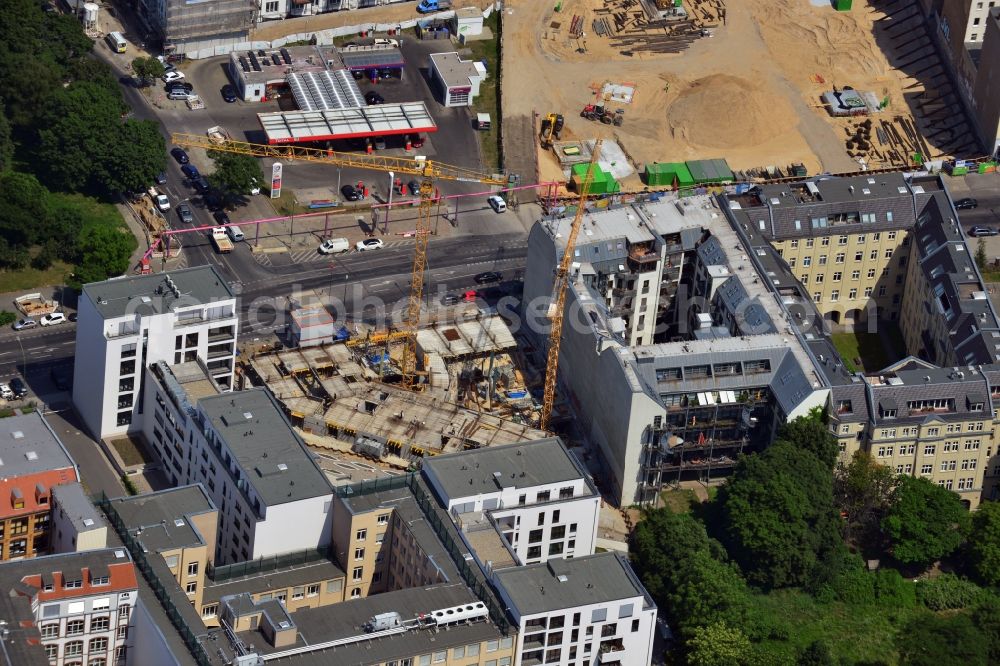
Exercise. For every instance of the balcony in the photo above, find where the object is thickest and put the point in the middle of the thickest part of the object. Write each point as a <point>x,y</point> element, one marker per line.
<point>611,652</point>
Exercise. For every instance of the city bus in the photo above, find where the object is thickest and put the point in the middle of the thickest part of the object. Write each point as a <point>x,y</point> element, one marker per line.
<point>116,42</point>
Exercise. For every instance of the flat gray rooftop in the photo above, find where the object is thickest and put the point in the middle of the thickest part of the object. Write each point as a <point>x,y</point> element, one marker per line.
<point>162,516</point>
<point>453,70</point>
<point>77,507</point>
<point>150,294</point>
<point>593,579</point>
<point>292,576</point>
<point>276,461</point>
<point>522,465</point>
<point>28,446</point>
<point>343,620</point>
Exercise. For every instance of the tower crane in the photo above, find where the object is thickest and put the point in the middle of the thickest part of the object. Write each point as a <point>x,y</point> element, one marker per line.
<point>427,170</point>
<point>558,305</point>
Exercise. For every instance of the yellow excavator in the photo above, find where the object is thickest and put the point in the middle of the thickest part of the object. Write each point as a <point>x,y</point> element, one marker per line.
<point>552,124</point>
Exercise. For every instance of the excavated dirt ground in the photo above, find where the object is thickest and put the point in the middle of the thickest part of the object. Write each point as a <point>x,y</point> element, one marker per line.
<point>750,93</point>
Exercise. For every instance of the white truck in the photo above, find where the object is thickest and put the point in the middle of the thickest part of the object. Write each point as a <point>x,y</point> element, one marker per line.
<point>220,239</point>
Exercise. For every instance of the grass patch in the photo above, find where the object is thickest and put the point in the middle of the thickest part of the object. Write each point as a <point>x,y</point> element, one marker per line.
<point>860,351</point>
<point>679,500</point>
<point>855,634</point>
<point>91,209</point>
<point>29,278</point>
<point>286,204</point>
<point>991,276</point>
<point>128,451</point>
<point>488,100</point>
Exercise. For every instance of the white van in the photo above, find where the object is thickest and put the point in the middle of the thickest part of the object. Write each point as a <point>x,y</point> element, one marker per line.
<point>497,203</point>
<point>235,234</point>
<point>385,41</point>
<point>335,246</point>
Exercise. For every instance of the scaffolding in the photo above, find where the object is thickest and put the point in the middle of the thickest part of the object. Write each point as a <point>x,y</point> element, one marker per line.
<point>186,21</point>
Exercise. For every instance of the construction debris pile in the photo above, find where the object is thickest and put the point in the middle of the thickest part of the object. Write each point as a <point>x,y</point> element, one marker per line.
<point>660,26</point>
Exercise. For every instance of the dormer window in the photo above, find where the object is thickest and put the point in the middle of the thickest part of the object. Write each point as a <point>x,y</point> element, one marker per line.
<point>844,407</point>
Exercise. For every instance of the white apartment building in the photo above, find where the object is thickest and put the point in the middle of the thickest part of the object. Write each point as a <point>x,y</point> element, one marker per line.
<point>80,604</point>
<point>129,322</point>
<point>534,494</point>
<point>271,495</point>
<point>586,610</point>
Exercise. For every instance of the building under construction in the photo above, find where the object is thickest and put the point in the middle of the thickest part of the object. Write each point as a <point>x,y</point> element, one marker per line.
<point>184,27</point>
<point>343,397</point>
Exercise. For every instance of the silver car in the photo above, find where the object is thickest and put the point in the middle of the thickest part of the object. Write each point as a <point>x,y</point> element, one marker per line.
<point>24,324</point>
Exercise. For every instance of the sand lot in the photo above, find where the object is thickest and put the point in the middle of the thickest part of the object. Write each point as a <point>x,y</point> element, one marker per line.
<point>749,93</point>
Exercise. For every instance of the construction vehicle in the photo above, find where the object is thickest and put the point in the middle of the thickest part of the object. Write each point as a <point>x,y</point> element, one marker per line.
<point>558,305</point>
<point>552,124</point>
<point>427,170</point>
<point>603,114</point>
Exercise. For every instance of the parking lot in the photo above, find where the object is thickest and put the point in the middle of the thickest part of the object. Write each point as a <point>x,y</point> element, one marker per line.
<point>454,143</point>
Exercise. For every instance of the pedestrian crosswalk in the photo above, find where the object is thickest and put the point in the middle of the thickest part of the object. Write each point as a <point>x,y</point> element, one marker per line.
<point>308,255</point>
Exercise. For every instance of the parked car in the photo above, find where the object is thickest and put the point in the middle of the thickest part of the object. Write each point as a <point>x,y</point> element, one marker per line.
<point>372,97</point>
<point>235,233</point>
<point>221,217</point>
<point>191,171</point>
<point>385,41</point>
<point>72,316</point>
<point>200,184</point>
<point>179,95</point>
<point>184,212</point>
<point>351,193</point>
<point>450,299</point>
<point>161,178</point>
<point>173,76</point>
<point>254,187</point>
<point>369,244</point>
<point>982,231</point>
<point>968,203</point>
<point>413,187</point>
<point>212,201</point>
<point>18,387</point>
<point>5,392</point>
<point>53,318</point>
<point>488,277</point>
<point>179,155</point>
<point>162,202</point>
<point>229,93</point>
<point>179,85</point>
<point>497,203</point>
<point>334,246</point>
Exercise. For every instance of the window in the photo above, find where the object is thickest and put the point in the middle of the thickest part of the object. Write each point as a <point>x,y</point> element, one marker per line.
<point>271,7</point>
<point>885,452</point>
<point>191,588</point>
<point>855,275</point>
<point>334,586</point>
<point>193,569</point>
<point>383,519</point>
<point>818,297</point>
<point>598,615</point>
<point>356,593</point>
<point>361,535</point>
<point>892,234</point>
<point>809,242</point>
<point>359,553</point>
<point>926,469</point>
<point>52,652</point>
<point>822,260</point>
<point>357,573</point>
<point>839,258</point>
<point>535,536</point>
<point>834,295</point>
<point>74,627</point>
<point>72,584</point>
<point>949,465</point>
<point>852,294</point>
<point>123,612</point>
<point>858,256</point>
<point>819,278</point>
<point>806,262</point>
<point>298,592</point>
<point>929,449</point>
<point>210,611</point>
<point>874,255</point>
<point>837,276</point>
<point>98,645</point>
<point>842,240</point>
<point>100,623</point>
<point>868,292</point>
<point>73,649</point>
<point>312,590</point>
<point>542,496</point>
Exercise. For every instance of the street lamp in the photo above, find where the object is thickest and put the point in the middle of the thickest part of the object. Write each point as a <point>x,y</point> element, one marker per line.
<point>392,182</point>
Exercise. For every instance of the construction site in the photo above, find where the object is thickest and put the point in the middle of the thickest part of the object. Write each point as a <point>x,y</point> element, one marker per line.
<point>675,80</point>
<point>345,394</point>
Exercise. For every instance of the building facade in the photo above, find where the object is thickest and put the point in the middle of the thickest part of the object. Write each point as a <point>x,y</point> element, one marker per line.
<point>127,323</point>
<point>271,495</point>
<point>33,462</point>
<point>80,605</point>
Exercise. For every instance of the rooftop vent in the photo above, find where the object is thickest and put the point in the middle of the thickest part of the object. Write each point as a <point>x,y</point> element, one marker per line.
<point>17,434</point>
<point>31,455</point>
<point>88,522</point>
<point>282,467</point>
<point>178,522</point>
<point>120,554</point>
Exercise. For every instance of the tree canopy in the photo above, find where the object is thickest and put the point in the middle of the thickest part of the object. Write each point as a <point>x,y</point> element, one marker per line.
<point>925,523</point>
<point>718,645</point>
<point>933,640</point>
<point>147,70</point>
<point>864,490</point>
<point>779,520</point>
<point>984,542</point>
<point>234,175</point>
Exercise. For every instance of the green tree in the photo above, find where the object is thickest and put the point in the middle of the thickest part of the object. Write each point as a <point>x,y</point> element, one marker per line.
<point>981,254</point>
<point>932,640</point>
<point>816,653</point>
<point>948,592</point>
<point>23,211</point>
<point>661,540</point>
<point>234,175</point>
<point>6,142</point>
<point>984,542</point>
<point>147,70</point>
<point>925,523</point>
<point>707,591</point>
<point>104,252</point>
<point>779,522</point>
<point>864,490</point>
<point>986,616</point>
<point>139,156</point>
<point>812,434</point>
<point>718,644</point>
